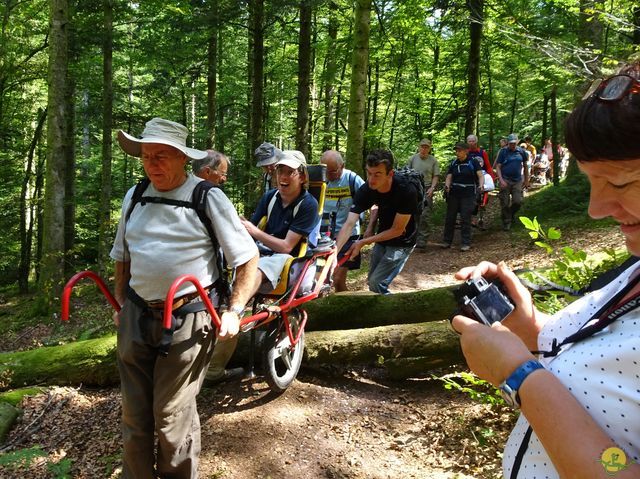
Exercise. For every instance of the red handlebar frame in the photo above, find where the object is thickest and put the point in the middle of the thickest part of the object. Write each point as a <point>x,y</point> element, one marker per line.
<point>168,304</point>
<point>66,292</point>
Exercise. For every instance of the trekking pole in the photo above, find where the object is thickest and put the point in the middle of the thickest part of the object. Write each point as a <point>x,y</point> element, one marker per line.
<point>66,292</point>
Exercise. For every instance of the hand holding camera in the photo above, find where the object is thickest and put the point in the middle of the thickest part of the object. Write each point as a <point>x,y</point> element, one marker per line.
<point>484,301</point>
<point>524,319</point>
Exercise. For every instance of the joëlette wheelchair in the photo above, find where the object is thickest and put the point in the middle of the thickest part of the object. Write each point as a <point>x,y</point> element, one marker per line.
<point>279,314</point>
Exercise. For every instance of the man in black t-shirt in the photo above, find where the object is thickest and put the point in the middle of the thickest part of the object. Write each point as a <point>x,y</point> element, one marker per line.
<point>397,208</point>
<point>464,179</point>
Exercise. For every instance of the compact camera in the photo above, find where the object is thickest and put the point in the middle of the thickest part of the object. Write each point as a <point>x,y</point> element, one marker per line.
<point>483,301</point>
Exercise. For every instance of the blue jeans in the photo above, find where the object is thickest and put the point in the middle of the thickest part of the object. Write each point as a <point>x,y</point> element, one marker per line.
<point>385,264</point>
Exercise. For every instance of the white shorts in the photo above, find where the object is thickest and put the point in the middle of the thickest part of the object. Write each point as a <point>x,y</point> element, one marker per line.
<point>271,267</point>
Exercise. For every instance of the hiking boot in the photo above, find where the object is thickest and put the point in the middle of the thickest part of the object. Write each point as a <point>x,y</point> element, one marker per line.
<point>445,245</point>
<point>465,247</point>
<point>227,375</point>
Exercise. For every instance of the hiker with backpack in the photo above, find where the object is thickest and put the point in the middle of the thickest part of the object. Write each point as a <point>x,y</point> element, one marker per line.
<point>425,163</point>
<point>464,180</point>
<point>173,223</point>
<point>342,185</point>
<point>513,176</point>
<point>398,198</point>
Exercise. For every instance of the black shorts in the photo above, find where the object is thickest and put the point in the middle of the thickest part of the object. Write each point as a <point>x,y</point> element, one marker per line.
<point>352,263</point>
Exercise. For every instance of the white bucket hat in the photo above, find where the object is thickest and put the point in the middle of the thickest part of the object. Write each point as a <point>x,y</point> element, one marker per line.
<point>164,132</point>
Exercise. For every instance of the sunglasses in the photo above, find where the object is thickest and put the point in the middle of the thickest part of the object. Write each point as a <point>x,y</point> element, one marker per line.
<point>614,88</point>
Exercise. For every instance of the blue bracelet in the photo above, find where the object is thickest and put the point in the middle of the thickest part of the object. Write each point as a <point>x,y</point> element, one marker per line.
<point>510,387</point>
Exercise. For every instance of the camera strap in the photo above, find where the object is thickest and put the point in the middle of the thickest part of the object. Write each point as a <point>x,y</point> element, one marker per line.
<point>606,315</point>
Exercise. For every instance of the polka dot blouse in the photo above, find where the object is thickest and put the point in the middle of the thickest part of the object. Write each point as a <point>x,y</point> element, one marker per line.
<point>602,372</point>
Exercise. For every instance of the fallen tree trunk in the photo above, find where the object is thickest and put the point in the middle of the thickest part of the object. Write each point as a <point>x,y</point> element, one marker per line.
<point>354,311</point>
<point>433,340</point>
<point>93,362</point>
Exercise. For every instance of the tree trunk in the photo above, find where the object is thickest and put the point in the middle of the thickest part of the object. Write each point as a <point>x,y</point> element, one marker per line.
<point>357,100</point>
<point>370,310</point>
<point>545,118</point>
<point>219,137</point>
<point>70,177</point>
<point>39,210</point>
<point>387,327</point>
<point>52,271</point>
<point>93,362</point>
<point>514,104</point>
<point>330,78</point>
<point>304,80</point>
<point>636,24</point>
<point>590,33</point>
<point>475,33</point>
<point>256,21</point>
<point>554,137</point>
<point>212,71</point>
<point>26,206</point>
<point>434,86</point>
<point>104,210</point>
<point>490,96</point>
<point>431,345</point>
<point>336,118</point>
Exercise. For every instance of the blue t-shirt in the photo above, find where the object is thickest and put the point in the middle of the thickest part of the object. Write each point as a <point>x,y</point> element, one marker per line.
<point>464,177</point>
<point>282,219</point>
<point>338,199</point>
<point>511,163</point>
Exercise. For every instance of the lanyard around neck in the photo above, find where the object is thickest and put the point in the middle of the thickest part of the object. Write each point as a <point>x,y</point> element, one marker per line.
<point>606,315</point>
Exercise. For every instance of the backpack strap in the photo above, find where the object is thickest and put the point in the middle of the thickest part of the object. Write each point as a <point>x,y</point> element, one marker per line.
<point>271,204</point>
<point>136,198</point>
<point>199,204</point>
<point>352,183</point>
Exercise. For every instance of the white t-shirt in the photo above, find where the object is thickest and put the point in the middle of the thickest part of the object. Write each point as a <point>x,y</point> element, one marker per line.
<point>163,241</point>
<point>602,372</point>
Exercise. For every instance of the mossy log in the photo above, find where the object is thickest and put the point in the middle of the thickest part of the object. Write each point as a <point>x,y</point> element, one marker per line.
<point>349,330</point>
<point>91,362</point>
<point>354,311</point>
<point>434,342</point>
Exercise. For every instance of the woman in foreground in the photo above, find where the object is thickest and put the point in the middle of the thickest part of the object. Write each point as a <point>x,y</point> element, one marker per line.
<point>576,375</point>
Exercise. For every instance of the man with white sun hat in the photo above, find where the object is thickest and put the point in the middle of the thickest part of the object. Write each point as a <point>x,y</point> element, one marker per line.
<point>161,236</point>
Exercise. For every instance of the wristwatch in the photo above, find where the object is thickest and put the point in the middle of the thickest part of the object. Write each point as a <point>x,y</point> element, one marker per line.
<point>509,388</point>
<point>236,309</point>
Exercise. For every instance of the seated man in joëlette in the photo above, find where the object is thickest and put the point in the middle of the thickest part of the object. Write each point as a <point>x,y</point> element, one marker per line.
<point>292,215</point>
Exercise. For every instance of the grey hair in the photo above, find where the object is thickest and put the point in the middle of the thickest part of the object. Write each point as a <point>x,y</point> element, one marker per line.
<point>336,155</point>
<point>473,138</point>
<point>212,160</point>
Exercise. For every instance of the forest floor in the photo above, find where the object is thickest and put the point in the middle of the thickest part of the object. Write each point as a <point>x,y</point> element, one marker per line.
<point>349,425</point>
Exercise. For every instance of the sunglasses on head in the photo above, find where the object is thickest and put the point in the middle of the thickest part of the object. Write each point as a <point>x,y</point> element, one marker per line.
<point>614,88</point>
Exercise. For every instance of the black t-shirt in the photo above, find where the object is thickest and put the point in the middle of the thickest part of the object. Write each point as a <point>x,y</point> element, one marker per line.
<point>464,177</point>
<point>400,199</point>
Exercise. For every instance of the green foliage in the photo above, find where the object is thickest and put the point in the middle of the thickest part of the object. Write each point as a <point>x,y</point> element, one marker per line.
<point>60,469</point>
<point>471,385</point>
<point>573,269</point>
<point>21,459</point>
<point>14,397</point>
